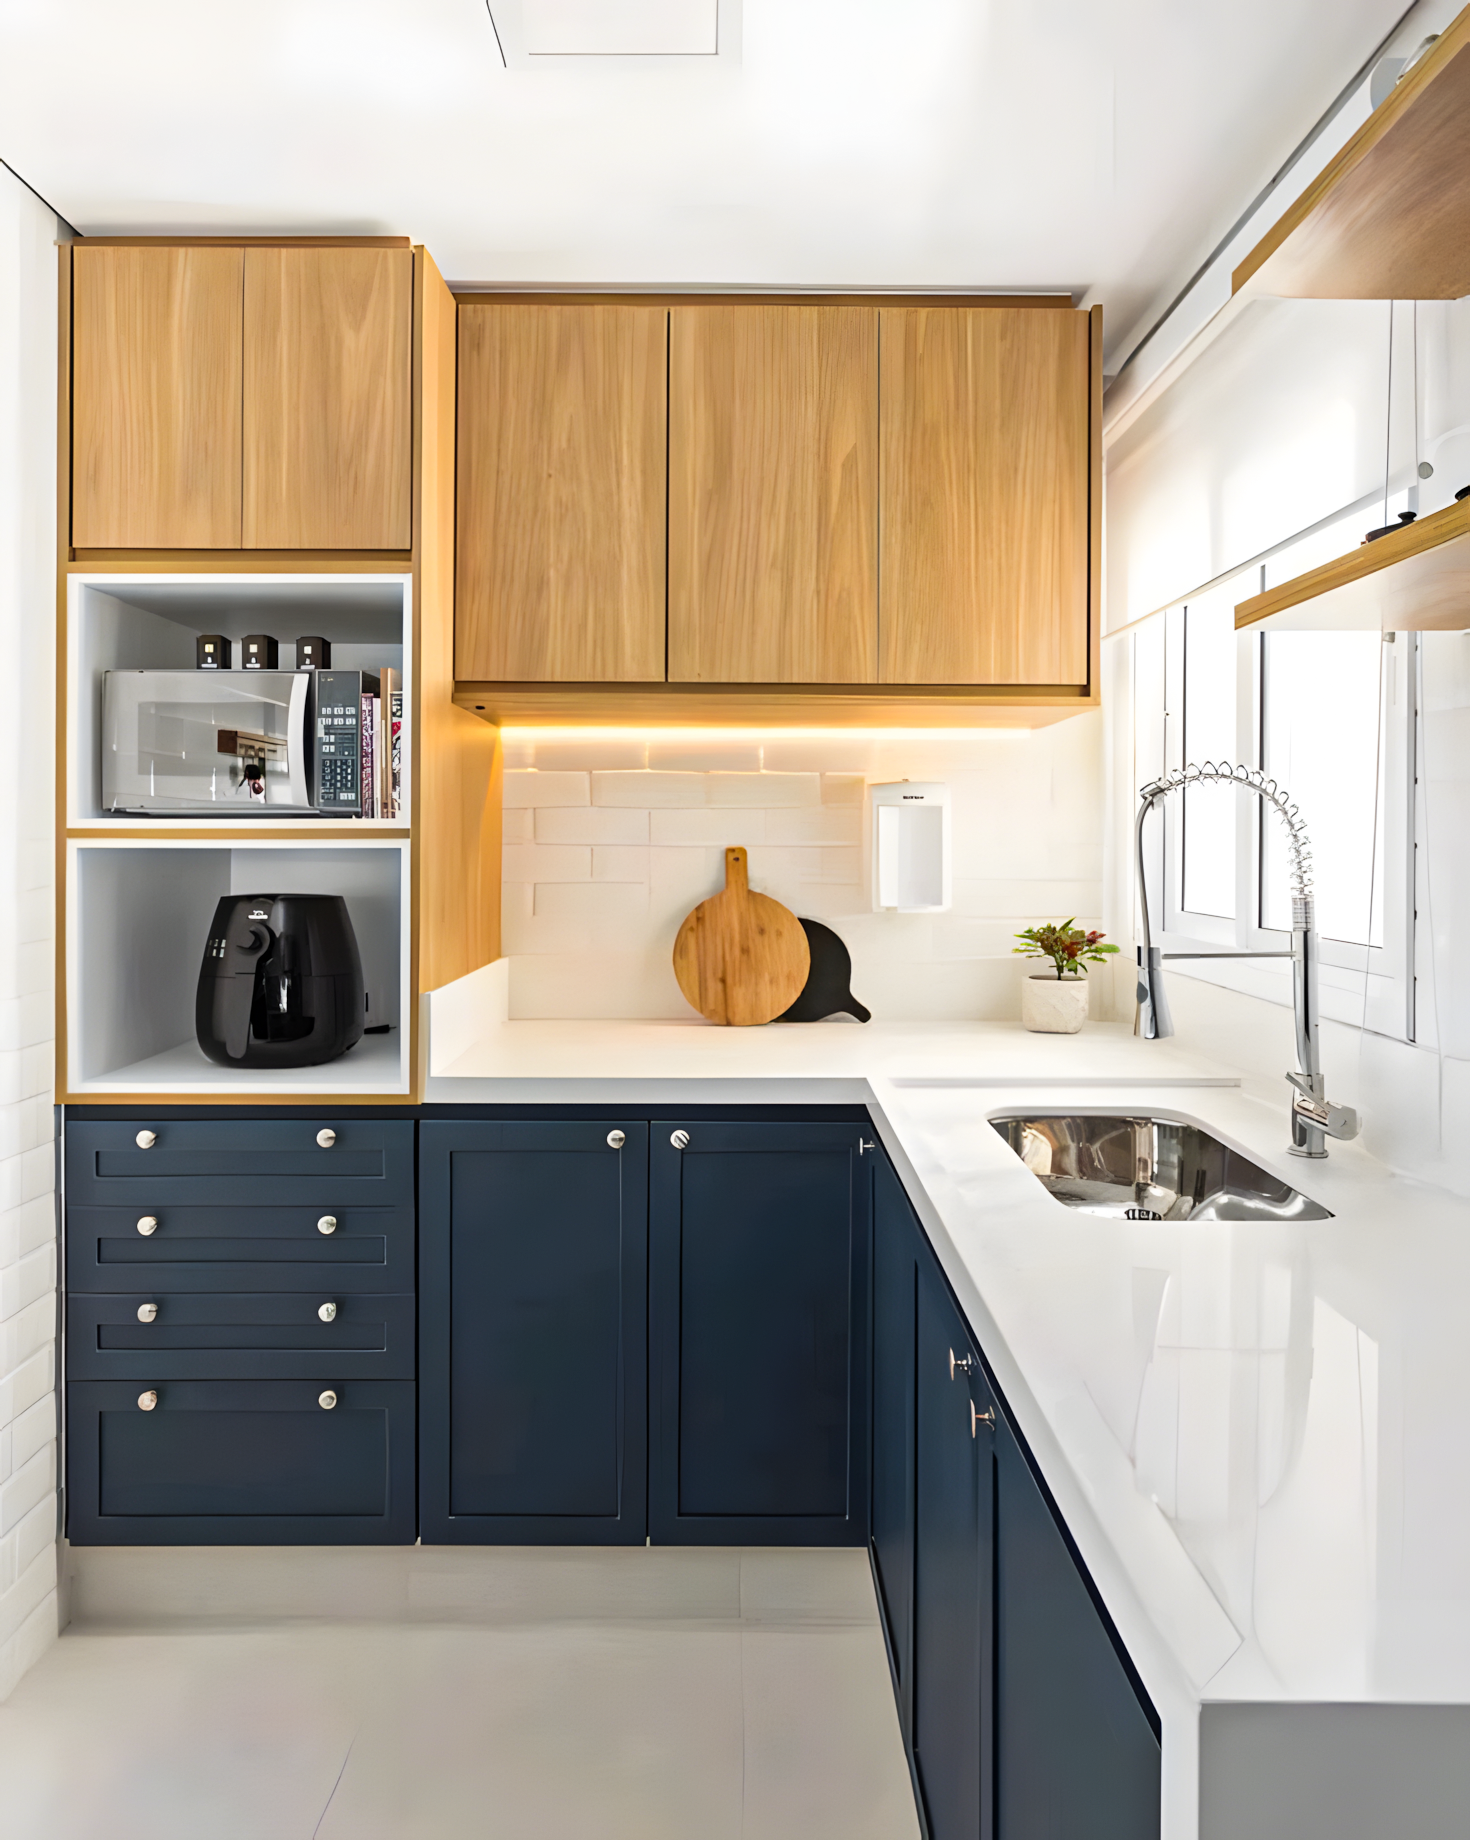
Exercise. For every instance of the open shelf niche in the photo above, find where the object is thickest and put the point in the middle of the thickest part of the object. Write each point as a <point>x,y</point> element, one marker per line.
<point>139,917</point>
<point>145,622</point>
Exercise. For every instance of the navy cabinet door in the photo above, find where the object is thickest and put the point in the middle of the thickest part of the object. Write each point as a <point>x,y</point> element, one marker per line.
<point>758,1314</point>
<point>240,1463</point>
<point>895,1306</point>
<point>1077,1752</point>
<point>533,1331</point>
<point>953,1575</point>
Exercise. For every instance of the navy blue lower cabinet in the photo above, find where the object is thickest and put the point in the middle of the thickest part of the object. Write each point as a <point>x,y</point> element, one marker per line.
<point>759,1265</point>
<point>1077,1750</point>
<point>533,1331</point>
<point>334,1246</point>
<point>229,1335</point>
<point>954,1558</point>
<point>895,1306</point>
<point>239,1463</point>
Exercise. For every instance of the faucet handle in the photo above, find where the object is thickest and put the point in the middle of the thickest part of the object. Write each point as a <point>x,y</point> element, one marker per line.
<point>1311,1105</point>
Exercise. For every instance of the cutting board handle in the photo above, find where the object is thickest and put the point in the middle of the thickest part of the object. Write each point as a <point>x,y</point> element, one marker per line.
<point>736,870</point>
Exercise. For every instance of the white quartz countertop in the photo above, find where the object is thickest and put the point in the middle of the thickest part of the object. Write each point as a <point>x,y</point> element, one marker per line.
<point>1257,1432</point>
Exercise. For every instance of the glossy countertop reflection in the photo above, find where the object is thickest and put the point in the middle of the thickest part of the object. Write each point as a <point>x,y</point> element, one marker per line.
<point>1257,1432</point>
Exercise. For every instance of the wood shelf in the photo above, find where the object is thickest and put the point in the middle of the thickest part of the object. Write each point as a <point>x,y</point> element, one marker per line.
<point>773,705</point>
<point>1389,218</point>
<point>1416,579</point>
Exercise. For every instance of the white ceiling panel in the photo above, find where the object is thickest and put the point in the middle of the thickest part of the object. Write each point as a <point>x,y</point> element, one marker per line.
<point>619,28</point>
<point>1097,146</point>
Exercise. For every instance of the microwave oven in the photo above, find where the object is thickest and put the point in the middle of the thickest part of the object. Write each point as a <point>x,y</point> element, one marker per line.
<point>249,744</point>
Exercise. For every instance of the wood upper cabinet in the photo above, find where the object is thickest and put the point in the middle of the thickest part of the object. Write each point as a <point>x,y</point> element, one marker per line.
<point>561,493</point>
<point>773,494</point>
<point>985,423</point>
<point>156,387</point>
<point>328,376</point>
<point>228,398</point>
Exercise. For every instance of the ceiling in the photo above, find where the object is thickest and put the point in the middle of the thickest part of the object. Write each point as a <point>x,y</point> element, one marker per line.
<point>1097,146</point>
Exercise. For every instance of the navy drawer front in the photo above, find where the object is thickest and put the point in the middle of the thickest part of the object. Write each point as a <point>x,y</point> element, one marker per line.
<point>196,1248</point>
<point>220,1462</point>
<point>274,1335</point>
<point>264,1162</point>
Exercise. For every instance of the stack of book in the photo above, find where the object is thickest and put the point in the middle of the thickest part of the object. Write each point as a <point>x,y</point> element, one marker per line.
<point>382,748</point>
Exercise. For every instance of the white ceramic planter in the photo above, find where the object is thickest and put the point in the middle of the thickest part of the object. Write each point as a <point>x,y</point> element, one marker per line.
<point>1054,1006</point>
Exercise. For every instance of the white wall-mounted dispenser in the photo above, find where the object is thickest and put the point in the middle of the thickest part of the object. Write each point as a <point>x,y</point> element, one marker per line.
<point>911,847</point>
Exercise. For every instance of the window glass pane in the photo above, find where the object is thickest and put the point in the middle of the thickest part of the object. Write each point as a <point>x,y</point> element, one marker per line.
<point>1209,734</point>
<point>1320,740</point>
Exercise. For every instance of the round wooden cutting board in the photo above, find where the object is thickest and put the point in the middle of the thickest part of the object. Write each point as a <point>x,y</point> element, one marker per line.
<point>740,957</point>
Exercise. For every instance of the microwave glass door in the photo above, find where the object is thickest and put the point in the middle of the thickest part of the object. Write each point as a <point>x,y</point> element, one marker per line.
<point>189,741</point>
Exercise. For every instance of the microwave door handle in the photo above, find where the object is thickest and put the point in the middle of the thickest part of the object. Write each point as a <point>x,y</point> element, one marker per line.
<point>298,729</point>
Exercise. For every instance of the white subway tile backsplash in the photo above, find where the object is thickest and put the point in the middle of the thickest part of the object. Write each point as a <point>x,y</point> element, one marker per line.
<point>616,862</point>
<point>678,880</point>
<point>708,826</point>
<point>570,753</point>
<point>598,984</point>
<point>600,904</point>
<point>683,756</point>
<point>647,790</point>
<point>546,862</point>
<point>815,824</point>
<point>762,791</point>
<point>776,866</point>
<point>591,824</point>
<point>518,824</point>
<point>522,931</point>
<point>536,788</point>
<point>843,788</point>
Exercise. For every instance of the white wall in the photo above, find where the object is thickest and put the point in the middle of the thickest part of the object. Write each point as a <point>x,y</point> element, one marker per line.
<point>611,840</point>
<point>28,1604</point>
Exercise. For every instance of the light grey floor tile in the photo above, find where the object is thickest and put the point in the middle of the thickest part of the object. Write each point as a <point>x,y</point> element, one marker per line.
<point>823,1755</point>
<point>792,1585</point>
<point>174,1737</point>
<point>562,1732</point>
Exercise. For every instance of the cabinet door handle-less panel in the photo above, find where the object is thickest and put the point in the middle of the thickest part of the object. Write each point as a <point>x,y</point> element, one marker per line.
<point>758,1340</point>
<point>221,1462</point>
<point>533,1244</point>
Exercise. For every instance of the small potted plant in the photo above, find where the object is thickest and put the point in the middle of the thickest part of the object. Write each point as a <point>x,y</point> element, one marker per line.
<point>1055,1003</point>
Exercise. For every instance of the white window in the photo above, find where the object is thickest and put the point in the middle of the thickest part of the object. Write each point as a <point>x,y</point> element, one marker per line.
<point>1331,718</point>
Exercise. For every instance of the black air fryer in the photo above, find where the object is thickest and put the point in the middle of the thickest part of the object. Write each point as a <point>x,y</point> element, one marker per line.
<point>281,982</point>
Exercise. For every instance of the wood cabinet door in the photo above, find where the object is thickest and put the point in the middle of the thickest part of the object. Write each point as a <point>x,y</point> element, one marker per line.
<point>328,383</point>
<point>773,494</point>
<point>533,1300</point>
<point>561,493</point>
<point>954,1624</point>
<point>156,356</point>
<point>759,1263</point>
<point>984,521</point>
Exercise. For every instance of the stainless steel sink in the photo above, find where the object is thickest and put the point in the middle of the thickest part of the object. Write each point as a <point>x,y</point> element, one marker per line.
<point>1148,1169</point>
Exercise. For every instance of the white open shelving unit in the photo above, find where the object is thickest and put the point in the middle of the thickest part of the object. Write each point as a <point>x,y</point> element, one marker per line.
<point>141,889</point>
<point>142,622</point>
<point>139,911</point>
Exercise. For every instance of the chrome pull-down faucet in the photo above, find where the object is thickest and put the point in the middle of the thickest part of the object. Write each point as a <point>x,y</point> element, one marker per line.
<point>1313,1117</point>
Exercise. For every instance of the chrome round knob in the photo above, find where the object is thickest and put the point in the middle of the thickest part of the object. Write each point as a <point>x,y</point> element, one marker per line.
<point>147,1401</point>
<point>147,1312</point>
<point>328,1312</point>
<point>326,1139</point>
<point>326,1400</point>
<point>145,1140</point>
<point>616,1139</point>
<point>680,1140</point>
<point>327,1224</point>
<point>148,1223</point>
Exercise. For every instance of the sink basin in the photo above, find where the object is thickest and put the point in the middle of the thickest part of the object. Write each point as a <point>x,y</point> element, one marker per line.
<point>1148,1169</point>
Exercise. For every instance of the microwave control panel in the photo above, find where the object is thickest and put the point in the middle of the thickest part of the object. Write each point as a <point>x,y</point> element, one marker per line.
<point>337,761</point>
